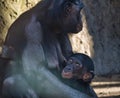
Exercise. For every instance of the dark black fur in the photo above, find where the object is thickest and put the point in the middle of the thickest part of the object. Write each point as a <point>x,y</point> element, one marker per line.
<point>87,66</point>
<point>40,42</point>
<point>75,82</point>
<point>79,64</point>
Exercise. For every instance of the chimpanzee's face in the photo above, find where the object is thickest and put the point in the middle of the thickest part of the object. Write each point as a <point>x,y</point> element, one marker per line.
<point>73,68</point>
<point>77,66</point>
<point>72,17</point>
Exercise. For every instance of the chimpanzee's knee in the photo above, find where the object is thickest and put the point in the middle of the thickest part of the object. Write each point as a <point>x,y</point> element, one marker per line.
<point>16,87</point>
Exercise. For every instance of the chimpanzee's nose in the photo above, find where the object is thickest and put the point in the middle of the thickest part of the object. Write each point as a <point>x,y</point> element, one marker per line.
<point>68,69</point>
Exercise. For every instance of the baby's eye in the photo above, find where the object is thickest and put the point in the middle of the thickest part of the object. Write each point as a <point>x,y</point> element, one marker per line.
<point>78,65</point>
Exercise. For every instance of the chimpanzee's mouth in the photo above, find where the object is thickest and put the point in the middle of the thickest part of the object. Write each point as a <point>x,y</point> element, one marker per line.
<point>67,75</point>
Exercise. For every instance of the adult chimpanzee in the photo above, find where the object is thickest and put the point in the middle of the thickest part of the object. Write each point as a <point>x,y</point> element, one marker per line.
<point>79,69</point>
<point>39,42</point>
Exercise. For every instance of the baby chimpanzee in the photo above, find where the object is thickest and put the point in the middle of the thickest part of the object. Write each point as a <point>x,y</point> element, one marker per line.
<point>79,66</point>
<point>78,72</point>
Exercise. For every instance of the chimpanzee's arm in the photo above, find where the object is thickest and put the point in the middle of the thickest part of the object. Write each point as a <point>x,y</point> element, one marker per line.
<point>41,78</point>
<point>65,45</point>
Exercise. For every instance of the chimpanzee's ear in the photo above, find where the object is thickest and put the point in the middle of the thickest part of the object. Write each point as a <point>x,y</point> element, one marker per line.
<point>88,76</point>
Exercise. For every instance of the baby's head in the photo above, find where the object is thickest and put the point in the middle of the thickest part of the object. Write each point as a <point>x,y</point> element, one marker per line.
<point>79,66</point>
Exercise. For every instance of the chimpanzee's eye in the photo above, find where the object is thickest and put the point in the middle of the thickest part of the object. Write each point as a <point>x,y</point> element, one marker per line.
<point>78,65</point>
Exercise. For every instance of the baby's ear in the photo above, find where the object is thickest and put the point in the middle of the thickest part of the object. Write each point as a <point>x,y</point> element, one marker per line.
<point>88,76</point>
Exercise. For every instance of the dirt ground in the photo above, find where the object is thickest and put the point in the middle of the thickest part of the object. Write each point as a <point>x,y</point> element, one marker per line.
<point>107,86</point>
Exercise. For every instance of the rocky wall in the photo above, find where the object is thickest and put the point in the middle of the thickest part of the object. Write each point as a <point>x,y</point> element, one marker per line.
<point>100,37</point>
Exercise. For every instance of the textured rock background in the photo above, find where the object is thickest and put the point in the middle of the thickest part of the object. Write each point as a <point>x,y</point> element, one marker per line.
<point>100,37</point>
<point>103,18</point>
<point>9,11</point>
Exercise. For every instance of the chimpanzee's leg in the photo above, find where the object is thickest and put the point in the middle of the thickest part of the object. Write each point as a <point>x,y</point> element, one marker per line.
<point>17,87</point>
